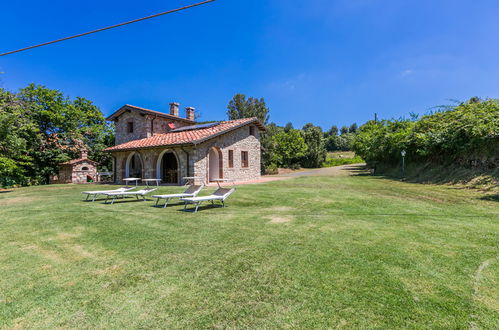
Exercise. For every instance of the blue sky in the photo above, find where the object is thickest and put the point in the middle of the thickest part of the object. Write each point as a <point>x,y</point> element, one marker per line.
<point>321,61</point>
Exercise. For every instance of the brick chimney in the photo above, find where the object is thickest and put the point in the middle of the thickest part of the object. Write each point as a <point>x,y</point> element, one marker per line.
<point>189,113</point>
<point>174,108</point>
<point>83,153</point>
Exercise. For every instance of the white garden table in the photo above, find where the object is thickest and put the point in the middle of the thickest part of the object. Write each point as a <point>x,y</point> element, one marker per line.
<point>128,180</point>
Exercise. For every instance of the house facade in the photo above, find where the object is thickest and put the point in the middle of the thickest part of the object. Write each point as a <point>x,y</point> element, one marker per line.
<point>166,146</point>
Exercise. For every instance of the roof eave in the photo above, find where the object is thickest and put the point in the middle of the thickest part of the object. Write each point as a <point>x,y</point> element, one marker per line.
<point>150,147</point>
<point>254,121</point>
<point>120,111</point>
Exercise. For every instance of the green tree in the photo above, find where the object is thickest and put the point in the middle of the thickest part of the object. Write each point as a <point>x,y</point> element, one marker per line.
<point>40,128</point>
<point>289,148</point>
<point>333,131</point>
<point>344,130</point>
<point>345,142</point>
<point>316,149</point>
<point>269,146</point>
<point>353,128</point>
<point>240,107</point>
<point>15,133</point>
<point>332,143</point>
<point>307,126</point>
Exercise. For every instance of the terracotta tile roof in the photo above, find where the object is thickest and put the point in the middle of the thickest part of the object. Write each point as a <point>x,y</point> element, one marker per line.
<point>76,161</point>
<point>187,137</point>
<point>126,107</point>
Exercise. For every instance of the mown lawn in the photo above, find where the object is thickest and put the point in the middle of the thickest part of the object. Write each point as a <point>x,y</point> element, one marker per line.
<point>310,252</point>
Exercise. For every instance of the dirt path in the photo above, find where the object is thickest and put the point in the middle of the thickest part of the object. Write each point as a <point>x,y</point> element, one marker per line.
<point>344,170</point>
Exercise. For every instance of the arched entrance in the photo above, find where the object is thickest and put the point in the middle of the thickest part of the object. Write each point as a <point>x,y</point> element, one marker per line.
<point>134,166</point>
<point>167,167</point>
<point>215,164</point>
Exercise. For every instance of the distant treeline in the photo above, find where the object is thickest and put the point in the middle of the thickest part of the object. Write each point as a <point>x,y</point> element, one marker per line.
<point>288,147</point>
<point>466,135</point>
<point>306,147</point>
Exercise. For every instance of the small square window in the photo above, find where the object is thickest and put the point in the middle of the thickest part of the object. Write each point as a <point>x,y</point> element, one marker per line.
<point>252,130</point>
<point>231,158</point>
<point>244,159</point>
<point>130,127</point>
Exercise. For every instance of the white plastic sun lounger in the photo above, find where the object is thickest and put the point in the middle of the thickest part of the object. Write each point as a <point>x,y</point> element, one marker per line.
<point>221,194</point>
<point>192,191</point>
<point>137,193</point>
<point>104,192</point>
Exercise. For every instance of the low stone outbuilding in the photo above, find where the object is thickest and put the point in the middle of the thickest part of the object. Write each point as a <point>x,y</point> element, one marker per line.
<point>81,170</point>
<point>156,145</point>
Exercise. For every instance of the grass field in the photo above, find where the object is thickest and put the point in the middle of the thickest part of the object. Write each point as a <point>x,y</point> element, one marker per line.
<point>310,252</point>
<point>338,158</point>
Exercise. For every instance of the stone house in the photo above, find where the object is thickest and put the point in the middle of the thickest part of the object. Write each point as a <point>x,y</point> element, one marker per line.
<point>81,170</point>
<point>156,145</point>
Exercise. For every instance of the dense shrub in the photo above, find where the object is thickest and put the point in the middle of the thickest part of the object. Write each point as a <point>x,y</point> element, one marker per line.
<point>467,134</point>
<point>271,169</point>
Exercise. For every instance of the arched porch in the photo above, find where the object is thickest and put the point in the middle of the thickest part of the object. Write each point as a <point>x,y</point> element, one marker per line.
<point>134,165</point>
<point>215,164</point>
<point>168,167</point>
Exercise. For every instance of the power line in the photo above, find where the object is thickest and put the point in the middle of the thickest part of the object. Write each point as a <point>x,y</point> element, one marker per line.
<point>109,27</point>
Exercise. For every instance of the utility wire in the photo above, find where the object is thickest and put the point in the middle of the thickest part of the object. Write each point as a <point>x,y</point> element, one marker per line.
<point>109,27</point>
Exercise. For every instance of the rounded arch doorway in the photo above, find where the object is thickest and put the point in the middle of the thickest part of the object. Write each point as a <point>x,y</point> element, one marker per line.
<point>134,166</point>
<point>215,164</point>
<point>167,167</point>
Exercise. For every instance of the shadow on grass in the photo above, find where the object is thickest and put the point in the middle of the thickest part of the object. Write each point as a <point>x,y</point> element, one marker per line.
<point>122,201</point>
<point>162,205</point>
<point>90,200</point>
<point>493,198</point>
<point>357,170</point>
<point>191,209</point>
<point>460,177</point>
<point>5,191</point>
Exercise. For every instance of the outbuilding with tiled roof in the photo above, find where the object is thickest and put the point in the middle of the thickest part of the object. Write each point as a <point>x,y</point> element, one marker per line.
<point>81,170</point>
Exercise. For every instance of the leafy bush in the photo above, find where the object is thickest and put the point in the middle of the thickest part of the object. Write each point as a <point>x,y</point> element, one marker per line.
<point>271,169</point>
<point>467,134</point>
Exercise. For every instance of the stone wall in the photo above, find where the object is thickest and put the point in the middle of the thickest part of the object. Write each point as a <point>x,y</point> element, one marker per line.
<point>76,173</point>
<point>144,126</point>
<point>82,171</point>
<point>64,175</point>
<point>238,140</point>
<point>149,160</point>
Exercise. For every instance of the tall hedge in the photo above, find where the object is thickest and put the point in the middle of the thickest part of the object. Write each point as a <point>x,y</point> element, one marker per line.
<point>467,134</point>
